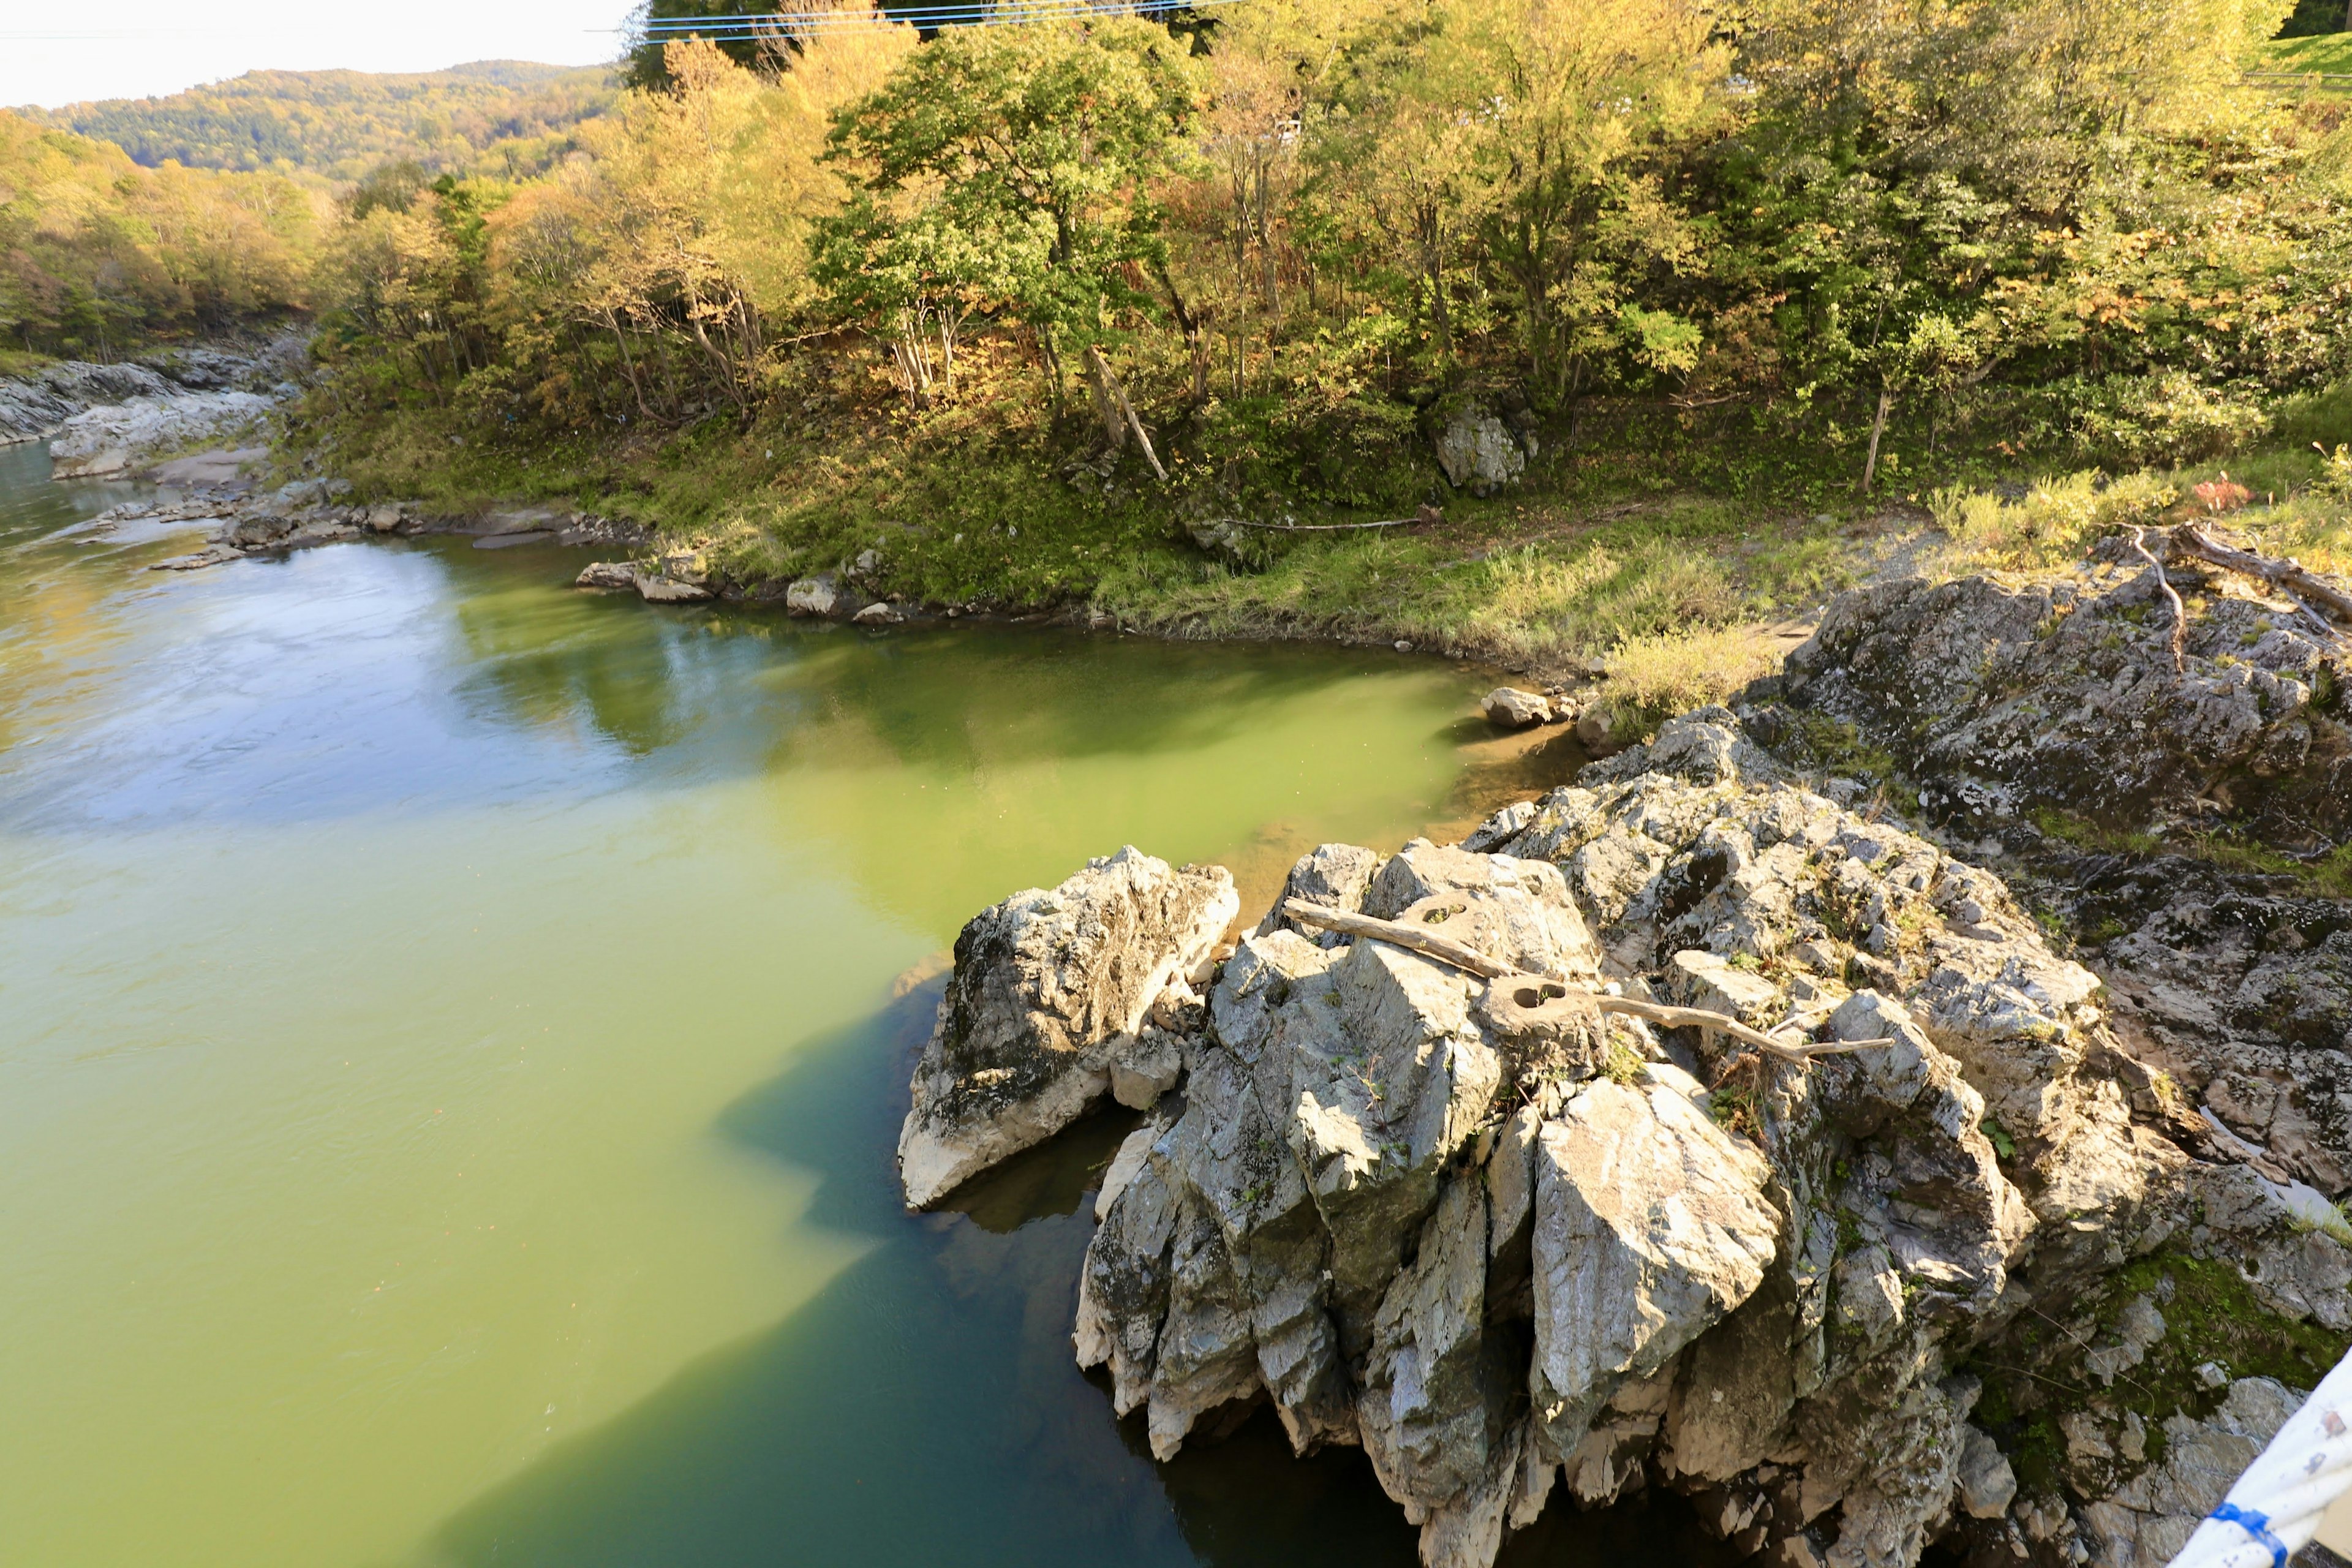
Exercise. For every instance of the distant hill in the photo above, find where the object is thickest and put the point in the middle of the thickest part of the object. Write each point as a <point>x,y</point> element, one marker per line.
<point>490,117</point>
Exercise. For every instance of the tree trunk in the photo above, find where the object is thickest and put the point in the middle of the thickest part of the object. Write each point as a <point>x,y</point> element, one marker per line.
<point>1098,382</point>
<point>1107,382</point>
<point>1432,265</point>
<point>1877,429</point>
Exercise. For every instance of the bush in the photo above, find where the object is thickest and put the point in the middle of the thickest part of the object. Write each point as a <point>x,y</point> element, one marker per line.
<point>1651,678</point>
<point>2052,522</point>
<point>2167,418</point>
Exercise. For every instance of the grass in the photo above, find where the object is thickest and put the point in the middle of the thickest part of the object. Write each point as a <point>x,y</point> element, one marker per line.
<point>2328,53</point>
<point>1609,557</point>
<point>2330,876</point>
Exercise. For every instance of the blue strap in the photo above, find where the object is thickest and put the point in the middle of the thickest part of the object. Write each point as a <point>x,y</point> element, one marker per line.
<point>2253,1523</point>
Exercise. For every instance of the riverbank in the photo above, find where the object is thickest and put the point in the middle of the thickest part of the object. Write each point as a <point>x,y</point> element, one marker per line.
<point>1599,560</point>
<point>1599,565</point>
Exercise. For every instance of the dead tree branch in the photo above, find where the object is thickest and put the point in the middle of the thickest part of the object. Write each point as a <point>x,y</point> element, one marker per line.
<point>2179,611</point>
<point>2288,573</point>
<point>1461,955</point>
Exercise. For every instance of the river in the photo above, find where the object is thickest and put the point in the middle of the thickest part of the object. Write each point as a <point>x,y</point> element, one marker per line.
<point>452,1031</point>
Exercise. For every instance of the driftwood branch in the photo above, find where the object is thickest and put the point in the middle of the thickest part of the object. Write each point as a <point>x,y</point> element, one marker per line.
<point>2288,573</point>
<point>2179,611</point>
<point>1463,956</point>
<point>1444,949</point>
<point>1668,1017</point>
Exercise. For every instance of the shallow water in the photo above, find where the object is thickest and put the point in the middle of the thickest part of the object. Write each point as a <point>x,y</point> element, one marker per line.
<point>452,1035</point>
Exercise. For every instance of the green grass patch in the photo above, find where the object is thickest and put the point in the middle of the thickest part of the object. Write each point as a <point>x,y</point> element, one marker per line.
<point>2330,876</point>
<point>2329,53</point>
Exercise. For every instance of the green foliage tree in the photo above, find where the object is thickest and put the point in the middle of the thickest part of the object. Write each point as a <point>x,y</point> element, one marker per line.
<point>98,254</point>
<point>1037,147</point>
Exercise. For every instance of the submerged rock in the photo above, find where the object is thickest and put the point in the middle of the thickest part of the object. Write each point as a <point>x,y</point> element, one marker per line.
<point>1528,1253</point>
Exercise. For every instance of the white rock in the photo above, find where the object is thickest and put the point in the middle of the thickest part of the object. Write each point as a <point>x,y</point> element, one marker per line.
<point>1478,452</point>
<point>1043,983</point>
<point>1651,1223</point>
<point>816,596</point>
<point>117,438</point>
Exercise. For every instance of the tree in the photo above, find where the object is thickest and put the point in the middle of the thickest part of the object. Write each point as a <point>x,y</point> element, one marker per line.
<point>1042,144</point>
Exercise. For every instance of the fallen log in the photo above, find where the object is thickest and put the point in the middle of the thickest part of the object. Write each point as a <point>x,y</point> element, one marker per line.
<point>1461,955</point>
<point>2289,573</point>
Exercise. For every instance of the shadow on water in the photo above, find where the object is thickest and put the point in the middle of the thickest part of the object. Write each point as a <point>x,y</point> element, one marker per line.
<point>925,1408</point>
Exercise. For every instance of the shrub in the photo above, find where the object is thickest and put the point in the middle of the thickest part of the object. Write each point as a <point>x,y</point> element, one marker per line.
<point>2170,418</point>
<point>2052,522</point>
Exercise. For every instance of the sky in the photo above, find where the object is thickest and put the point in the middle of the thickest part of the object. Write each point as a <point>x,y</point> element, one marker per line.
<point>52,55</point>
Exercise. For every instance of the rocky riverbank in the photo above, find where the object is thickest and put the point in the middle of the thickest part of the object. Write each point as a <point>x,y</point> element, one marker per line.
<point>110,420</point>
<point>2031,1270</point>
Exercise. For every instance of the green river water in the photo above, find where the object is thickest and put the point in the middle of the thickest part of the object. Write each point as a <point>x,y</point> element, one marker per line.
<point>452,1031</point>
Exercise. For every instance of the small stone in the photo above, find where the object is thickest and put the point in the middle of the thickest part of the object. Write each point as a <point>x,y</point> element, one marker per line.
<point>1985,1483</point>
<point>815,595</point>
<point>1144,1068</point>
<point>2213,1374</point>
<point>878,615</point>
<point>867,561</point>
<point>1599,732</point>
<point>1403,647</point>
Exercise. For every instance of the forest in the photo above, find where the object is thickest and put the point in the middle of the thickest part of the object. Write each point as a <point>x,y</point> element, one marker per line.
<point>1283,231</point>
<point>330,128</point>
<point>99,256</point>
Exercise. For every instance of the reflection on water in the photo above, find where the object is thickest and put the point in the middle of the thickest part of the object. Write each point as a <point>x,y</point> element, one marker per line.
<point>449,1075</point>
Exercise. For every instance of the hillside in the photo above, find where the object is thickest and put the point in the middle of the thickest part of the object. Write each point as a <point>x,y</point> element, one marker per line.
<point>502,117</point>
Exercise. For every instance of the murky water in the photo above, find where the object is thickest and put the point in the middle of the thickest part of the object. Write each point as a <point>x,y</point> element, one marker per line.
<point>449,1064</point>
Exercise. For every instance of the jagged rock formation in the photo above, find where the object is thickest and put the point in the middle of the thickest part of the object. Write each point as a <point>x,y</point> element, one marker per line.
<point>33,405</point>
<point>117,438</point>
<point>1051,991</point>
<point>2047,721</point>
<point>1514,1249</point>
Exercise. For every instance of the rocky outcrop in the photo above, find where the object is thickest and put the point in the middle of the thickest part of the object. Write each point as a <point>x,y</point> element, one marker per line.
<point>2047,724</point>
<point>1478,451</point>
<point>1528,1252</point>
<point>119,439</point>
<point>33,405</point>
<point>116,418</point>
<point>1051,989</point>
<point>2004,702</point>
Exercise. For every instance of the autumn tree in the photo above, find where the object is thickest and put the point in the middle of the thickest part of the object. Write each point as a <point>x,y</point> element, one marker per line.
<point>1036,147</point>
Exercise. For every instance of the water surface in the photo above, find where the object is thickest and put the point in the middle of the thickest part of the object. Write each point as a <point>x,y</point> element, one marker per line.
<point>452,1035</point>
